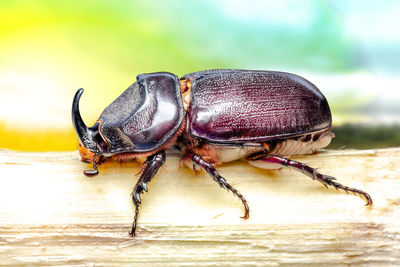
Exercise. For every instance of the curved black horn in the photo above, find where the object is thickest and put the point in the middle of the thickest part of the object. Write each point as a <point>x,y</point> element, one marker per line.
<point>82,131</point>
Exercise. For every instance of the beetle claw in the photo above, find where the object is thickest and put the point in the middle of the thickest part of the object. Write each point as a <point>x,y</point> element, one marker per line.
<point>368,198</point>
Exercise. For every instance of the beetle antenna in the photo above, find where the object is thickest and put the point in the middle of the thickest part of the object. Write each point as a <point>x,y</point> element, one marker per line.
<point>95,171</point>
<point>91,173</point>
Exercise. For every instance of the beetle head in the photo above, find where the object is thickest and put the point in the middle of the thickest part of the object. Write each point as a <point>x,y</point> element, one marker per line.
<point>90,141</point>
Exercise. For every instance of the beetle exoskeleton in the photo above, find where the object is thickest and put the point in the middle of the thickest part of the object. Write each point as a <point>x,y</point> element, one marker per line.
<point>212,117</point>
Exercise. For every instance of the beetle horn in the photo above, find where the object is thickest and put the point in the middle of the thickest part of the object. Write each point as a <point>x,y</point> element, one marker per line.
<point>84,134</point>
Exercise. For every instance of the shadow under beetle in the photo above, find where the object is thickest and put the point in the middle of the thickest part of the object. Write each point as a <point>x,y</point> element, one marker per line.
<point>212,117</point>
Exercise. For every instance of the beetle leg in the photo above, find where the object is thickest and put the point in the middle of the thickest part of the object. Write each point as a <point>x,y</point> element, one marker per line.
<point>153,163</point>
<point>199,161</point>
<point>326,180</point>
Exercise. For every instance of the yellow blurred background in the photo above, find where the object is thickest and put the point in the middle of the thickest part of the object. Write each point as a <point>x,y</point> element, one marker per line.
<point>49,49</point>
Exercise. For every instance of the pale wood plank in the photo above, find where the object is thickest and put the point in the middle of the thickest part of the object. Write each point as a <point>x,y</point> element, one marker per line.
<point>50,214</point>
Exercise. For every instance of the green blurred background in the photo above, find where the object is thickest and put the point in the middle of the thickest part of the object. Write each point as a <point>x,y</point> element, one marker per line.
<point>48,49</point>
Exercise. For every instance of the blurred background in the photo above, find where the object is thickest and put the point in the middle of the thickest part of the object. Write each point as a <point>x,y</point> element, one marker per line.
<point>49,49</point>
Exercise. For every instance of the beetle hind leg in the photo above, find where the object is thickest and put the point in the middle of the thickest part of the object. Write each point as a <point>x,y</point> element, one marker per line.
<point>326,180</point>
<point>207,167</point>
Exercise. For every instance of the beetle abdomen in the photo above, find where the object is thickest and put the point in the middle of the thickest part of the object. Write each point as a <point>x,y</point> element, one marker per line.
<point>302,146</point>
<point>306,144</point>
<point>241,106</point>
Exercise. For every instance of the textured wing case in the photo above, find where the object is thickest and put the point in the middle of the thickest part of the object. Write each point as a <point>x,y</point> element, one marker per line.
<point>246,106</point>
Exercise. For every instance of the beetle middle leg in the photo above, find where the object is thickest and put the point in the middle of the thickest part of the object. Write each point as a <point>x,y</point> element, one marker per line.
<point>273,162</point>
<point>207,167</point>
<point>153,164</point>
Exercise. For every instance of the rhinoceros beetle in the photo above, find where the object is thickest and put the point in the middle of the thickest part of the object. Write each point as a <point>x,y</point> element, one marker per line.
<point>212,117</point>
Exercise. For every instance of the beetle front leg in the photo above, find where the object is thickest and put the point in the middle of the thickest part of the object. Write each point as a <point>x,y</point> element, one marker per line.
<point>326,180</point>
<point>207,167</point>
<point>153,164</point>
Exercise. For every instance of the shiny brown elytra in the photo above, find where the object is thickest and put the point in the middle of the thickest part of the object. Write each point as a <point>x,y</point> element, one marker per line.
<point>212,117</point>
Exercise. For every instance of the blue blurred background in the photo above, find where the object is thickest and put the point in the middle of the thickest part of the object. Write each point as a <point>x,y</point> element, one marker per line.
<point>48,49</point>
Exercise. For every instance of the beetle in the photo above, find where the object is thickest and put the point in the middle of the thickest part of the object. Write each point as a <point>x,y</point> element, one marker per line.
<point>212,117</point>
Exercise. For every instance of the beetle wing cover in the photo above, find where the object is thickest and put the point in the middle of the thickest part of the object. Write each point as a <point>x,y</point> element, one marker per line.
<point>229,106</point>
<point>145,116</point>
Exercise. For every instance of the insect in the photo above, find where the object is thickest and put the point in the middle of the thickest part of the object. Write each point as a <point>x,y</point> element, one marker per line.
<point>212,117</point>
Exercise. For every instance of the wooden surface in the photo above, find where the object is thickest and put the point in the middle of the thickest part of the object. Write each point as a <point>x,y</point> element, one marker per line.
<point>50,214</point>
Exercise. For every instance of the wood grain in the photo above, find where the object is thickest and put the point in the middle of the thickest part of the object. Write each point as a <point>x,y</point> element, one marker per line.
<point>50,214</point>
